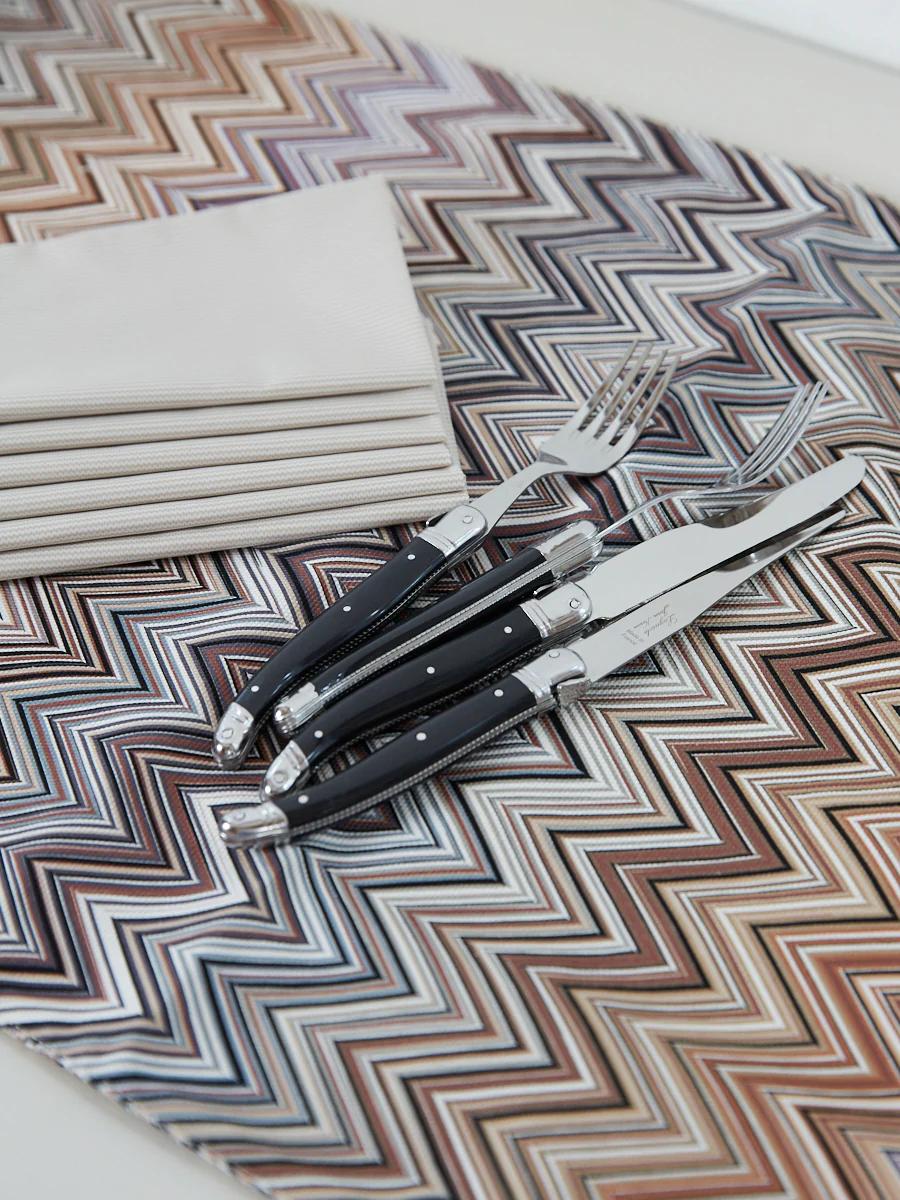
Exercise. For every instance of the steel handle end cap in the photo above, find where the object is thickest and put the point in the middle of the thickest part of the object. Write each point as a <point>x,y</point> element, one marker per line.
<point>233,736</point>
<point>254,825</point>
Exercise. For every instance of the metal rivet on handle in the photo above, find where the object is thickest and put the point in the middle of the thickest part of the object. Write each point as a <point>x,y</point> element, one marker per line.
<point>254,687</point>
<point>498,691</point>
<point>303,799</point>
<point>420,737</point>
<point>507,628</point>
<point>346,608</point>
<point>318,733</point>
<point>429,670</point>
<point>573,603</point>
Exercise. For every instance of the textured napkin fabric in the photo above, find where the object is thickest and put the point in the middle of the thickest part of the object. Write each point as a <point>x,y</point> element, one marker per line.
<point>644,948</point>
<point>233,377</point>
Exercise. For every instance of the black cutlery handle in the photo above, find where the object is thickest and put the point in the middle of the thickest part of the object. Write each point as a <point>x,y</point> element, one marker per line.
<point>502,586</point>
<point>352,618</point>
<point>439,673</point>
<point>411,757</point>
<point>432,745</point>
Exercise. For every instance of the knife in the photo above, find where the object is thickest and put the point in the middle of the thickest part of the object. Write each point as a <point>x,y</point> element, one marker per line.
<point>528,571</point>
<point>531,568</point>
<point>609,590</point>
<point>557,676</point>
<point>596,437</point>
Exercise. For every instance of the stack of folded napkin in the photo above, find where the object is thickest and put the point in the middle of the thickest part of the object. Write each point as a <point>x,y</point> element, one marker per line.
<point>253,374</point>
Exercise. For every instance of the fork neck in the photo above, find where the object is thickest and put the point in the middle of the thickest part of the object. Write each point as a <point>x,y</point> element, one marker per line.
<point>493,504</point>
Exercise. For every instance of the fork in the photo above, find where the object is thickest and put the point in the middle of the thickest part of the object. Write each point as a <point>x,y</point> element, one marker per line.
<point>763,460</point>
<point>598,434</point>
<point>459,663</point>
<point>528,571</point>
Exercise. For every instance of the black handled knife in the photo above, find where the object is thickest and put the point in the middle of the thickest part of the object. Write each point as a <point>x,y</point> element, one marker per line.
<point>608,591</point>
<point>556,676</point>
<point>368,607</point>
<point>594,438</point>
<point>528,571</point>
<point>440,740</point>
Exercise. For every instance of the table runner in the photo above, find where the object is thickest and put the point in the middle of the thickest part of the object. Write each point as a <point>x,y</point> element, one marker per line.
<point>644,947</point>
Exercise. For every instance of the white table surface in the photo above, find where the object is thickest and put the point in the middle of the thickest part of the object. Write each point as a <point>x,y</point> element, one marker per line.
<point>833,113</point>
<point>868,29</point>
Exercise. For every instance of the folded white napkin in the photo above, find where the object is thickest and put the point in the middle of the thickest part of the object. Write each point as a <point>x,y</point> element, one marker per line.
<point>203,381</point>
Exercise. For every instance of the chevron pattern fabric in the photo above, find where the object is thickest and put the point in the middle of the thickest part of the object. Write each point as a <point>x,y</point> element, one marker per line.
<point>644,948</point>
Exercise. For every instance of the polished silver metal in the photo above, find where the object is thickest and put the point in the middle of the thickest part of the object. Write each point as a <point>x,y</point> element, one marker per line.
<point>542,676</point>
<point>652,567</point>
<point>294,709</point>
<point>645,570</point>
<point>287,769</point>
<point>624,639</point>
<point>571,547</point>
<point>564,673</point>
<point>232,735</point>
<point>778,442</point>
<point>561,611</point>
<point>253,825</point>
<point>456,531</point>
<point>599,433</point>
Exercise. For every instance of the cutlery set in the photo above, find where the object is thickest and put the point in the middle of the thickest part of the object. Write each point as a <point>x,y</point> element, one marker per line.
<point>592,441</point>
<point>539,629</point>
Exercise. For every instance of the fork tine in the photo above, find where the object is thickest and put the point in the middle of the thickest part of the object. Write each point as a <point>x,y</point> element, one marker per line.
<point>625,370</point>
<point>797,426</point>
<point>620,399</point>
<point>781,446</point>
<point>640,405</point>
<point>583,412</point>
<point>777,433</point>
<point>774,448</point>
<point>646,411</point>
<point>615,373</point>
<point>783,435</point>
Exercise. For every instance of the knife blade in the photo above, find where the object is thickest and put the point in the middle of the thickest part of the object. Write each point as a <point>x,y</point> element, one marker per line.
<point>625,580</point>
<point>656,565</point>
<point>556,676</point>
<point>610,589</point>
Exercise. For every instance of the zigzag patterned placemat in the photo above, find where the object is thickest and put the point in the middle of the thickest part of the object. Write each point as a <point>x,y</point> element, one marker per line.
<point>647,947</point>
